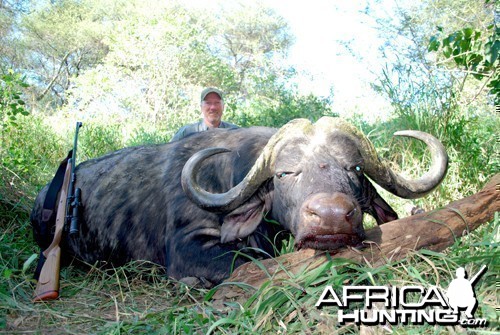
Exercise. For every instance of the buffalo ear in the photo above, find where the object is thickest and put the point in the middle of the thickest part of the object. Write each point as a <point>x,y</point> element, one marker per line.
<point>242,221</point>
<point>245,219</point>
<point>382,212</point>
<point>378,207</point>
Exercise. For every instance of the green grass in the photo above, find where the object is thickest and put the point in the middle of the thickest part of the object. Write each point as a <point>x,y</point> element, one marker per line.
<point>139,299</point>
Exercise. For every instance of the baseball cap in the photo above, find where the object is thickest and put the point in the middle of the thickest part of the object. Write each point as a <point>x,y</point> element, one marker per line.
<point>209,90</point>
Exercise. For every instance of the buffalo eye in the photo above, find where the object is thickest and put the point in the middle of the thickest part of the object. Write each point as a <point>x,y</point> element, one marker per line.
<point>358,169</point>
<point>283,174</point>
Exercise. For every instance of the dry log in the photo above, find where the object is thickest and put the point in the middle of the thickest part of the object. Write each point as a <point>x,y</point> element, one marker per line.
<point>435,230</point>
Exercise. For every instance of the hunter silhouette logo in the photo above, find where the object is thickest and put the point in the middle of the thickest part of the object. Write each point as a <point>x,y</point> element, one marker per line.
<point>460,293</point>
<point>407,304</point>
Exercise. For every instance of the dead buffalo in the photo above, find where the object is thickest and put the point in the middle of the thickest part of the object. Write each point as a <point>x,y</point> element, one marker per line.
<point>190,205</point>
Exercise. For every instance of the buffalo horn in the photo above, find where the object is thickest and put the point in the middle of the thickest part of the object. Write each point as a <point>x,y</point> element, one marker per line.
<point>396,183</point>
<point>381,172</point>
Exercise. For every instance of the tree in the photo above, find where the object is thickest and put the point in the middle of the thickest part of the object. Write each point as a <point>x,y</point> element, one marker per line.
<point>159,60</point>
<point>60,39</point>
<point>415,82</point>
<point>11,12</point>
<point>121,61</point>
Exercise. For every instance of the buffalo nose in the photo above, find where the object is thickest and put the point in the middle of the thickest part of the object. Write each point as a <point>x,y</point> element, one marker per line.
<point>330,209</point>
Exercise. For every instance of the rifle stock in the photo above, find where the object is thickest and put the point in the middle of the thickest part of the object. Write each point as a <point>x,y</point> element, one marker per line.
<point>47,287</point>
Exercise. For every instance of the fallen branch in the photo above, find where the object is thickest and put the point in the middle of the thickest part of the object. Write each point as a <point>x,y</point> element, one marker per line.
<point>390,242</point>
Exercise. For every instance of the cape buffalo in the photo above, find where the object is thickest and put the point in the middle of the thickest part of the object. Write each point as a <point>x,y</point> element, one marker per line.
<point>196,206</point>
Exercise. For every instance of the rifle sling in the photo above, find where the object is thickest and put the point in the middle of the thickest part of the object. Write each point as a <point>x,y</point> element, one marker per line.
<point>39,266</point>
<point>50,201</point>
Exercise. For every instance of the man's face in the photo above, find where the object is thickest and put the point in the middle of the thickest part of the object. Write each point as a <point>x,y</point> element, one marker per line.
<point>212,108</point>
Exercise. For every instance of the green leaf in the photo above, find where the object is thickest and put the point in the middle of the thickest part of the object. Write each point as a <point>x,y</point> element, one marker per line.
<point>446,41</point>
<point>467,32</point>
<point>465,46</point>
<point>491,50</point>
<point>447,50</point>
<point>478,76</point>
<point>475,59</point>
<point>7,78</point>
<point>434,44</point>
<point>28,262</point>
<point>7,273</point>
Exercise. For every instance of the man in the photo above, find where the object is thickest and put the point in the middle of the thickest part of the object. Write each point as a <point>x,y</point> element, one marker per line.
<point>212,106</point>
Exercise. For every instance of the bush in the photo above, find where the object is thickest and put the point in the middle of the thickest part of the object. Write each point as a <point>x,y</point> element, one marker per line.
<point>96,139</point>
<point>276,112</point>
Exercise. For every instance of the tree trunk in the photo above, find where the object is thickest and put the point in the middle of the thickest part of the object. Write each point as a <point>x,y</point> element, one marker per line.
<point>392,241</point>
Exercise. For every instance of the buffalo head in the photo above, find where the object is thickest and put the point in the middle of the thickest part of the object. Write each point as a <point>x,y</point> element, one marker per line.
<point>312,179</point>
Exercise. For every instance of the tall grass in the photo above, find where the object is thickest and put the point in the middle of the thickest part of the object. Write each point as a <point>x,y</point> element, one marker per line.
<point>139,299</point>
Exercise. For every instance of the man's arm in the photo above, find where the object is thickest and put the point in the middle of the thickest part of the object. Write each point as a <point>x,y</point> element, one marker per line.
<point>186,130</point>
<point>179,134</point>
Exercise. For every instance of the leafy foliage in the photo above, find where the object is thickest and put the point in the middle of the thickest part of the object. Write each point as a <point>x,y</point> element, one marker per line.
<point>123,61</point>
<point>471,54</point>
<point>11,103</point>
<point>282,109</point>
<point>14,161</point>
<point>60,40</point>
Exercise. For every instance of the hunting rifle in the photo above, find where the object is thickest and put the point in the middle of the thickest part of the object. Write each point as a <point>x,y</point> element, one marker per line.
<point>47,287</point>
